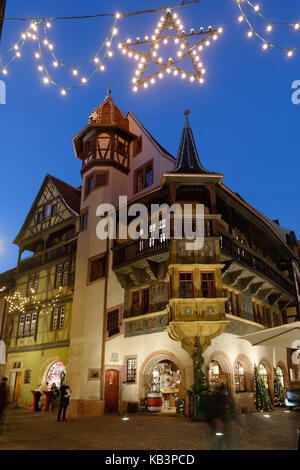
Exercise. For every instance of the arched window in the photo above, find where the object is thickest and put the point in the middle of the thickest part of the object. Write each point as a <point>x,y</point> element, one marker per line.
<point>216,376</point>
<point>56,374</point>
<point>239,378</point>
<point>263,372</point>
<point>280,375</point>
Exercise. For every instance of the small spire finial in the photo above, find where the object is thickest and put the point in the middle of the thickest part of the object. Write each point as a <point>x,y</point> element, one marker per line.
<point>187,113</point>
<point>108,92</point>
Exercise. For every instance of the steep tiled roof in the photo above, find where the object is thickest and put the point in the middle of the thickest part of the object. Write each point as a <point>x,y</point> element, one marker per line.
<point>70,194</point>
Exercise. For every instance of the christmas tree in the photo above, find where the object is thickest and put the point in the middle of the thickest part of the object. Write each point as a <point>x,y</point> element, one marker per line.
<point>278,390</point>
<point>262,400</point>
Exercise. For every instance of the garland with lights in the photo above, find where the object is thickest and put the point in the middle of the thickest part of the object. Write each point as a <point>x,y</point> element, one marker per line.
<point>169,22</point>
<point>269,28</point>
<point>262,400</point>
<point>19,303</point>
<point>104,49</point>
<point>279,398</point>
<point>33,32</point>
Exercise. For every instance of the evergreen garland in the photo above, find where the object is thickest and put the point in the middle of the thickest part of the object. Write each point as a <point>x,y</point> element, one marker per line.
<point>262,400</point>
<point>278,390</point>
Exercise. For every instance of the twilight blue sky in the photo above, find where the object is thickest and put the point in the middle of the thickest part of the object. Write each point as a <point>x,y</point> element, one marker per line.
<point>243,120</point>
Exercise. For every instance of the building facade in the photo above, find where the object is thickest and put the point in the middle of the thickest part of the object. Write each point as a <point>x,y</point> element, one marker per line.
<point>136,309</point>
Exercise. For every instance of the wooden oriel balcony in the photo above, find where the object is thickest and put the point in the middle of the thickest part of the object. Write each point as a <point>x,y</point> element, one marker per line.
<point>243,256</point>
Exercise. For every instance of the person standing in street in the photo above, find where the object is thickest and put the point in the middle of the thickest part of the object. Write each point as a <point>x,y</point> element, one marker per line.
<point>3,402</point>
<point>65,394</point>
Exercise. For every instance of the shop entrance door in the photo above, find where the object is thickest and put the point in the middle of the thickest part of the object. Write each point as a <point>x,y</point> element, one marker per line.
<point>17,386</point>
<point>111,394</point>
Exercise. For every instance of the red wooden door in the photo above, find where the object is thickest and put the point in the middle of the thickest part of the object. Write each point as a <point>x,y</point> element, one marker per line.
<point>111,395</point>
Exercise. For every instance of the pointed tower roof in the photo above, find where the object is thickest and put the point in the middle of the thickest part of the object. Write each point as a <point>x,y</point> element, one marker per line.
<point>187,158</point>
<point>109,114</point>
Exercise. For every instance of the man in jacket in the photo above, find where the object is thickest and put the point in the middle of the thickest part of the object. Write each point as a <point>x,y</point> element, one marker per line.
<point>65,394</point>
<point>3,401</point>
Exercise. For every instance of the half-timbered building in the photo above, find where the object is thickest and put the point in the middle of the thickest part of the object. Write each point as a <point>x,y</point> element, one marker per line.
<point>140,307</point>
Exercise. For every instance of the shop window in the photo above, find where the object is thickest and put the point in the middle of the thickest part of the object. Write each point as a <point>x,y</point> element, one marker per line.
<point>239,378</point>
<point>216,376</point>
<point>208,284</point>
<point>112,324</point>
<point>56,374</point>
<point>280,375</point>
<point>186,289</point>
<point>97,268</point>
<point>131,370</point>
<point>263,372</point>
<point>27,376</point>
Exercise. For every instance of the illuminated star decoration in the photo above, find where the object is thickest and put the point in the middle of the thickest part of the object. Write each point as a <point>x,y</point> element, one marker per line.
<point>181,39</point>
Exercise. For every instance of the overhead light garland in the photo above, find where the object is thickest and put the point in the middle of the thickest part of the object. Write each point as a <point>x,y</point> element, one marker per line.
<point>33,33</point>
<point>169,66</point>
<point>39,27</point>
<point>270,25</point>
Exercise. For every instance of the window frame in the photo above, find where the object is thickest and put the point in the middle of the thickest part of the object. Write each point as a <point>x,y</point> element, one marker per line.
<point>210,290</point>
<point>90,182</point>
<point>92,260</point>
<point>142,170</point>
<point>83,214</point>
<point>127,360</point>
<point>185,281</point>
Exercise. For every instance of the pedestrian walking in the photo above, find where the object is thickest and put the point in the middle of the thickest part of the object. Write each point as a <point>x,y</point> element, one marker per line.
<point>3,402</point>
<point>54,396</point>
<point>65,394</point>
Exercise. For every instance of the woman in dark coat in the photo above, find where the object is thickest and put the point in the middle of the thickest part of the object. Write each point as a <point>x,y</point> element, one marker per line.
<point>65,394</point>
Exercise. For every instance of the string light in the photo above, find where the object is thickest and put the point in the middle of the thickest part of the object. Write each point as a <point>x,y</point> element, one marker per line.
<point>269,28</point>
<point>32,32</point>
<point>169,22</point>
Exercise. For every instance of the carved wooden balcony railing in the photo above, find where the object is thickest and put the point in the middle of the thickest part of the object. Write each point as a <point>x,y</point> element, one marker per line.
<point>243,256</point>
<point>137,250</point>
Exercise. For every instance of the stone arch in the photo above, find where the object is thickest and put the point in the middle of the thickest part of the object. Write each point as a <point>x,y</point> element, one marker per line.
<point>223,360</point>
<point>148,364</point>
<point>284,371</point>
<point>43,372</point>
<point>248,368</point>
<point>269,370</point>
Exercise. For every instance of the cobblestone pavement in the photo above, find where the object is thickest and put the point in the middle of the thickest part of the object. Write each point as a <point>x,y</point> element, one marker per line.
<point>146,431</point>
